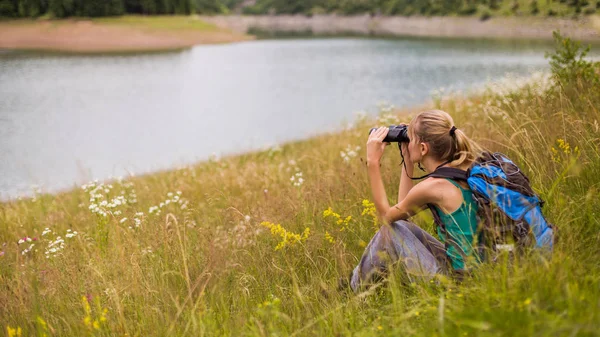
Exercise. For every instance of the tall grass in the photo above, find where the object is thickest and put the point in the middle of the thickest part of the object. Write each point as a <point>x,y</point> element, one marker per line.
<point>202,262</point>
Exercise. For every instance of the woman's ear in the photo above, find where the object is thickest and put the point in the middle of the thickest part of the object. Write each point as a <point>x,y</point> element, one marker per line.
<point>424,149</point>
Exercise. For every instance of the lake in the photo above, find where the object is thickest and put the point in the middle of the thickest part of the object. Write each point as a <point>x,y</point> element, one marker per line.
<point>67,119</point>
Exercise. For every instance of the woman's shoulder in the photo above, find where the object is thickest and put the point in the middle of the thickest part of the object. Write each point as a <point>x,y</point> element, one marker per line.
<point>436,186</point>
<point>439,186</point>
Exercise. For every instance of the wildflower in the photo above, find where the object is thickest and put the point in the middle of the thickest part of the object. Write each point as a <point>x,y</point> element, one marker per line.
<point>527,301</point>
<point>379,327</point>
<point>349,153</point>
<point>13,332</point>
<point>27,250</point>
<point>70,234</point>
<point>297,179</point>
<point>46,231</point>
<point>287,238</point>
<point>329,238</point>
<point>123,220</point>
<point>370,210</point>
<point>339,220</point>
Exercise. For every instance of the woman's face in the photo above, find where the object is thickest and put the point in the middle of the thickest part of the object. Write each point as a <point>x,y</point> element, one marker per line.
<point>414,147</point>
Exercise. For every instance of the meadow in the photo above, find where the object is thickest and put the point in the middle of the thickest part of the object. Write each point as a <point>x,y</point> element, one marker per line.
<point>254,245</point>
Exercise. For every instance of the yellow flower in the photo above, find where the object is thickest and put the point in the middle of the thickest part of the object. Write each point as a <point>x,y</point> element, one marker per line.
<point>329,238</point>
<point>343,222</point>
<point>379,327</point>
<point>370,210</point>
<point>13,332</point>
<point>287,238</point>
<point>527,301</point>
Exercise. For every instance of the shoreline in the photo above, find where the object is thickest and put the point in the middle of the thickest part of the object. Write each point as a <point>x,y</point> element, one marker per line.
<point>127,34</point>
<point>527,28</point>
<point>132,33</point>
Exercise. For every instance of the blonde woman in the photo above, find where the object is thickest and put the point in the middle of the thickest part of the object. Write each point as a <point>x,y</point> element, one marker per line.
<point>434,142</point>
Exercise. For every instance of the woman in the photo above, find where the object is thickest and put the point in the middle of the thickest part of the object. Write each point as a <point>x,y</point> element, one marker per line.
<point>434,142</point>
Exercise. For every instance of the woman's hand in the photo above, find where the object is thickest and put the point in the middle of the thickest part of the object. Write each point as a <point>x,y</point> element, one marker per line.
<point>375,145</point>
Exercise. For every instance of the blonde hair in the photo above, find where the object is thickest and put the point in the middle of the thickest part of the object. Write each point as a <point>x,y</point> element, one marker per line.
<point>434,127</point>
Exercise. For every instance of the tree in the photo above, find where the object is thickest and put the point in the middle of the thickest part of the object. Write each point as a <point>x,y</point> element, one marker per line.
<point>8,8</point>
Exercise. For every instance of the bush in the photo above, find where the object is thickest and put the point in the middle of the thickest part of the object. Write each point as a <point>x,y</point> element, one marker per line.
<point>469,10</point>
<point>7,9</point>
<point>534,7</point>
<point>574,75</point>
<point>485,15</point>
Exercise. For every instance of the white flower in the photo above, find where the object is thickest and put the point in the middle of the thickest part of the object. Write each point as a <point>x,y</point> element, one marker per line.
<point>247,218</point>
<point>21,241</point>
<point>123,220</point>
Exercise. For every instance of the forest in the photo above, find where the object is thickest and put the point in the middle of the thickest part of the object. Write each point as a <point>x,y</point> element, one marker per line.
<point>483,8</point>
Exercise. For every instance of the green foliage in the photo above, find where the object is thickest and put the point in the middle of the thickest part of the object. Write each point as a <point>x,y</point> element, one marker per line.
<point>570,66</point>
<point>484,8</point>
<point>8,9</point>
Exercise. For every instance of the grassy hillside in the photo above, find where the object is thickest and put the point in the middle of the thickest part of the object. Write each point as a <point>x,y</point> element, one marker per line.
<point>253,245</point>
<point>130,33</point>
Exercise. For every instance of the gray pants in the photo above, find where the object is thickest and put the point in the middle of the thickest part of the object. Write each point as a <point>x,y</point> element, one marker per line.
<point>421,254</point>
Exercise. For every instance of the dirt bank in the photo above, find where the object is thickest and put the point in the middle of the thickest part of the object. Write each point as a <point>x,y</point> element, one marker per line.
<point>587,28</point>
<point>115,35</point>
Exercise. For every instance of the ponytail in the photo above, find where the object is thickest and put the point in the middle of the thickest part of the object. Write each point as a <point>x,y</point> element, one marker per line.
<point>447,143</point>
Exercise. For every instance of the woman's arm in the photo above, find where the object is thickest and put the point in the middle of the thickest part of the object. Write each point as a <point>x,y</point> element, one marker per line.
<point>415,200</point>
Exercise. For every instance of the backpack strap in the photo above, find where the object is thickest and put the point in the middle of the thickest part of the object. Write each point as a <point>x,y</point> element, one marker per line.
<point>450,173</point>
<point>447,173</point>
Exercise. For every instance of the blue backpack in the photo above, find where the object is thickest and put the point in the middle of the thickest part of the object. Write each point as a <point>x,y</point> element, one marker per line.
<point>510,213</point>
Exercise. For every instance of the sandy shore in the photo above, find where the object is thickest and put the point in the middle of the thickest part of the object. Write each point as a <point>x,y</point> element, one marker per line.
<point>587,28</point>
<point>91,37</point>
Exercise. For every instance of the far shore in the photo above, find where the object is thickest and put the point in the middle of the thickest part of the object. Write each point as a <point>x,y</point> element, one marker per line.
<point>584,28</point>
<point>121,34</point>
<point>162,33</point>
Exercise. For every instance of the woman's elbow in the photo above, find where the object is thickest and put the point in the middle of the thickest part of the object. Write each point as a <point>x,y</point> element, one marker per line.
<point>390,217</point>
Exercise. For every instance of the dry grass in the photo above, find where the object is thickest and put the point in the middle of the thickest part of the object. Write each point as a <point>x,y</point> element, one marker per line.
<point>210,267</point>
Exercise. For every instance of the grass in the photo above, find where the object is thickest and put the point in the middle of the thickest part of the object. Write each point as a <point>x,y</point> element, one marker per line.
<point>200,260</point>
<point>167,22</point>
<point>175,23</point>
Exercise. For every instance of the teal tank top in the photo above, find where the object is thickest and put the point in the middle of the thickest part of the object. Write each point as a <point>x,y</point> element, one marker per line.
<point>461,229</point>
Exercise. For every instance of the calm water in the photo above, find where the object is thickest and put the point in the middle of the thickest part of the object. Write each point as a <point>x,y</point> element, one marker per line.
<point>67,119</point>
